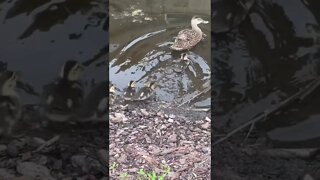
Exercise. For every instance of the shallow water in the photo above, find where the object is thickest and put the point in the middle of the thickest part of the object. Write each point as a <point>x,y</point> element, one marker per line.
<point>140,36</point>
<point>37,37</point>
<point>265,60</point>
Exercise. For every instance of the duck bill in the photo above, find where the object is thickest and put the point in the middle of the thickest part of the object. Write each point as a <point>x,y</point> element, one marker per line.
<point>205,22</point>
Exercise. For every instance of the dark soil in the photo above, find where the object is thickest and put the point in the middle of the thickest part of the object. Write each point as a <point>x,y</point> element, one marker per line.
<point>47,150</point>
<point>152,135</point>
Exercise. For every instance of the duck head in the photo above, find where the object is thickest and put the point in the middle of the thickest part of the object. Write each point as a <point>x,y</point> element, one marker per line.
<point>112,89</point>
<point>71,70</point>
<point>197,20</point>
<point>132,84</point>
<point>8,82</point>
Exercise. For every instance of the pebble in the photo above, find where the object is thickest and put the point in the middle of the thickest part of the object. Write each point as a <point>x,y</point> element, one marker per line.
<point>172,138</point>
<point>36,142</point>
<point>80,162</point>
<point>308,177</point>
<point>144,112</point>
<point>34,171</point>
<point>174,175</point>
<point>206,125</point>
<point>4,174</point>
<point>13,149</point>
<point>148,139</point>
<point>172,116</point>
<point>3,148</point>
<point>208,119</point>
<point>170,120</point>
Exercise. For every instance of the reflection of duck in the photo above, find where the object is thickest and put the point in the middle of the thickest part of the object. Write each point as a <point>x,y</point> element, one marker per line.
<point>130,91</point>
<point>64,95</point>
<point>112,94</point>
<point>188,38</point>
<point>145,92</point>
<point>10,109</point>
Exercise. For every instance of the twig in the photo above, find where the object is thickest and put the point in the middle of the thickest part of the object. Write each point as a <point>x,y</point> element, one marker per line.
<point>299,95</point>
<point>202,92</point>
<point>48,143</point>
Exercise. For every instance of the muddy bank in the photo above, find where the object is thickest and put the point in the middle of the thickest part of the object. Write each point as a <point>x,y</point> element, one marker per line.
<point>154,136</point>
<point>55,151</point>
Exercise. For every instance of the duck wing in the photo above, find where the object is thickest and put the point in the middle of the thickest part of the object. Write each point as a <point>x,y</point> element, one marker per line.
<point>186,39</point>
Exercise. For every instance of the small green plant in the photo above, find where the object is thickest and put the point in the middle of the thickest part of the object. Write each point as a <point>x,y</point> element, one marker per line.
<point>153,175</point>
<point>113,167</point>
<point>123,175</point>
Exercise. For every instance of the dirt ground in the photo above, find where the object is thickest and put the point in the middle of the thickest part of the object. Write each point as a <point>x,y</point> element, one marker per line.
<point>45,150</point>
<point>152,136</point>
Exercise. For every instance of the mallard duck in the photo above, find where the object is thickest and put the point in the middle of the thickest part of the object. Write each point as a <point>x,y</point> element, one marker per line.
<point>10,108</point>
<point>65,94</point>
<point>188,38</point>
<point>145,92</point>
<point>112,94</point>
<point>130,91</point>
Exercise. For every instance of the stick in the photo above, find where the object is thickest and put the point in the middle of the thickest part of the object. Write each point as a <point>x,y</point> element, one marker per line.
<point>301,94</point>
<point>48,143</point>
<point>202,92</point>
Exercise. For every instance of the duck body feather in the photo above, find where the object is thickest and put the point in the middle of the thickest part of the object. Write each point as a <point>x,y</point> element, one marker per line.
<point>186,39</point>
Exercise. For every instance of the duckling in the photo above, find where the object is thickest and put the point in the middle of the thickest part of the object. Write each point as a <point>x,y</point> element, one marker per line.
<point>65,94</point>
<point>95,104</point>
<point>130,91</point>
<point>112,94</point>
<point>10,107</point>
<point>145,92</point>
<point>188,38</point>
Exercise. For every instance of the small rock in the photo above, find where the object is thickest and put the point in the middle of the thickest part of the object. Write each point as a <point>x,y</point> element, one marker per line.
<point>148,139</point>
<point>208,119</point>
<point>206,125</point>
<point>3,148</point>
<point>36,142</point>
<point>13,150</point>
<point>172,116</point>
<point>182,161</point>
<point>308,177</point>
<point>133,170</point>
<point>34,171</point>
<point>118,117</point>
<point>79,161</point>
<point>160,114</point>
<point>57,165</point>
<point>122,158</point>
<point>5,174</point>
<point>26,156</point>
<point>166,116</point>
<point>173,175</point>
<point>144,112</point>
<point>170,120</point>
<point>172,138</point>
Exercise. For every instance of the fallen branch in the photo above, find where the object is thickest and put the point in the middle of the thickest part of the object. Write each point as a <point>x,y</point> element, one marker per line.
<point>298,96</point>
<point>195,96</point>
<point>48,143</point>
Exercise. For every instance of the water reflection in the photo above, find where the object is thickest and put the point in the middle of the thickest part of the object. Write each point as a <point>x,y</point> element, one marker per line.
<point>267,59</point>
<point>139,50</point>
<point>40,36</point>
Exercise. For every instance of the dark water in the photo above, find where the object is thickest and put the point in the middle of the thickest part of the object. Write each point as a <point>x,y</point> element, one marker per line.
<point>37,37</point>
<point>265,60</point>
<point>140,35</point>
